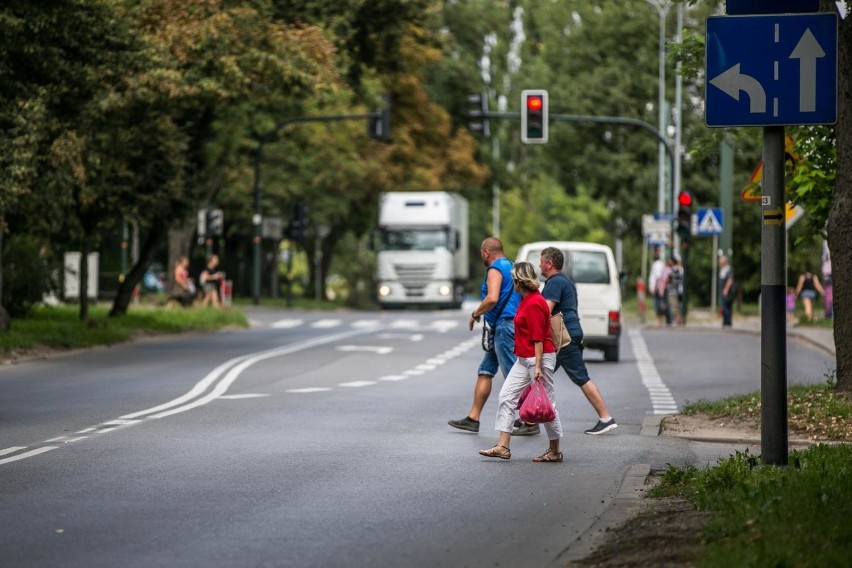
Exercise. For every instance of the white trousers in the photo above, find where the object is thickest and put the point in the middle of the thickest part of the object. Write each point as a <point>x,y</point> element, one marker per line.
<point>522,374</point>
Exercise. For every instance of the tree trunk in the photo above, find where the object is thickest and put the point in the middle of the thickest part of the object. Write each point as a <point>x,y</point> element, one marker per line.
<point>839,227</point>
<point>180,244</point>
<point>146,255</point>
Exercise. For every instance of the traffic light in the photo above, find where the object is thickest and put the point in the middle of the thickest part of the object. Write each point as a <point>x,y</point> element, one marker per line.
<point>215,225</point>
<point>378,124</point>
<point>298,228</point>
<point>534,117</point>
<point>684,215</point>
<point>479,124</point>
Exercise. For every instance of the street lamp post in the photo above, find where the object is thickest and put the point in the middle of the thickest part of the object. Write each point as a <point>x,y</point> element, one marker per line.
<point>662,7</point>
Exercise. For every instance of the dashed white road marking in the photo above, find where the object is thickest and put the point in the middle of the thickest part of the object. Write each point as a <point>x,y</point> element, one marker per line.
<point>393,378</point>
<point>409,336</point>
<point>662,400</point>
<point>326,323</point>
<point>286,323</point>
<point>356,384</point>
<point>309,390</point>
<point>379,350</point>
<point>241,396</point>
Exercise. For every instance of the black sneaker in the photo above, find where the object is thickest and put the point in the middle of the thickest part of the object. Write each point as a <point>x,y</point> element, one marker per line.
<point>602,427</point>
<point>466,423</point>
<point>526,430</point>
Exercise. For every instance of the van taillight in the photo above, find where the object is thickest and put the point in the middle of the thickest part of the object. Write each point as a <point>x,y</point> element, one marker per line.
<point>614,323</point>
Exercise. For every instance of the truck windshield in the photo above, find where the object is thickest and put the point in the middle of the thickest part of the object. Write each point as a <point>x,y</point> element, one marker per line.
<point>414,240</point>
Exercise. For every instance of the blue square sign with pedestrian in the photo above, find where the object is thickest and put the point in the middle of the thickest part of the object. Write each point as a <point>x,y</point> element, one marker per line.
<point>778,69</point>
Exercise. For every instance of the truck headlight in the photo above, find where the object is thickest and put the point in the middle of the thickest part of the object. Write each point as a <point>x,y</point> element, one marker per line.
<point>444,290</point>
<point>384,290</point>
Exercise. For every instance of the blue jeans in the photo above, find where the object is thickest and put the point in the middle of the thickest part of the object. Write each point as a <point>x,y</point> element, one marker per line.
<point>503,356</point>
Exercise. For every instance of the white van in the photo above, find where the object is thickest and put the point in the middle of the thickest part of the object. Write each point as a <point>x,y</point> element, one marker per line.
<point>592,268</point>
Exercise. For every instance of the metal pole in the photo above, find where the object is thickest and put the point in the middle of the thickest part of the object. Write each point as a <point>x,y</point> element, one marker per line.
<point>773,270</point>
<point>255,221</point>
<point>714,262</point>
<point>677,114</point>
<point>662,8</point>
<point>495,189</point>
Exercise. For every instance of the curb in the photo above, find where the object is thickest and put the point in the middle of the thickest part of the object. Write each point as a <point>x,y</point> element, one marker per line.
<point>622,506</point>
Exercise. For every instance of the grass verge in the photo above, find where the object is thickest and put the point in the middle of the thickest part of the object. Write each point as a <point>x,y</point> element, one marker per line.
<point>60,327</point>
<point>762,515</point>
<point>768,515</point>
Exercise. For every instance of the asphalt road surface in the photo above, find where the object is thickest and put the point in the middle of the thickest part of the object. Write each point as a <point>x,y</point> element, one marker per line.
<point>318,439</point>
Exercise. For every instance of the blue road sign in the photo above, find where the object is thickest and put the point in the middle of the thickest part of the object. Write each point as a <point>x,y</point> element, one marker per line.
<point>709,222</point>
<point>742,7</point>
<point>771,70</point>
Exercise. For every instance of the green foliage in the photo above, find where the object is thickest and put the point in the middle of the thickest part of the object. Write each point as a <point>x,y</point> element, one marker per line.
<point>28,277</point>
<point>60,328</point>
<point>772,516</point>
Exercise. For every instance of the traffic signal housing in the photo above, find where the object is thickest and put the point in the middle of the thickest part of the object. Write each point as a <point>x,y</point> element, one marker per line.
<point>297,230</point>
<point>379,124</point>
<point>534,116</point>
<point>477,112</point>
<point>684,215</point>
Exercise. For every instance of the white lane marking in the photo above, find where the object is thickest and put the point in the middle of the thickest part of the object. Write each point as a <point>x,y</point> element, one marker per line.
<point>69,440</point>
<point>393,378</point>
<point>404,324</point>
<point>12,450</point>
<point>361,324</point>
<point>241,396</point>
<point>356,384</point>
<point>409,336</point>
<point>309,389</point>
<point>29,454</point>
<point>326,323</point>
<point>444,326</point>
<point>662,400</point>
<point>216,373</point>
<point>373,349</point>
<point>286,323</point>
<point>413,372</point>
<point>436,361</point>
<point>86,430</point>
<point>425,367</point>
<point>56,440</point>
<point>244,363</point>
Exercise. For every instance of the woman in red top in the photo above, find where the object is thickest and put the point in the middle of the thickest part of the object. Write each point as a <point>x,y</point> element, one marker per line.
<point>536,362</point>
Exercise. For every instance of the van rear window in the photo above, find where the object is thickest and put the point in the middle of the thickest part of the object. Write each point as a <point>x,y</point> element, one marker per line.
<point>583,267</point>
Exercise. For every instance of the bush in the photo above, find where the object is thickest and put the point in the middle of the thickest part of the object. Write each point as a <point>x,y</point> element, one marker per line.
<point>27,275</point>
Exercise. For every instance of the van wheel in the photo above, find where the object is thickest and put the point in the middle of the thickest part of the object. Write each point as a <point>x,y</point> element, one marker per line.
<point>611,353</point>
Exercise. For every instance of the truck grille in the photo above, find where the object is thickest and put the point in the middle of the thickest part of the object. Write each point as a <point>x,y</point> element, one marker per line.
<point>414,277</point>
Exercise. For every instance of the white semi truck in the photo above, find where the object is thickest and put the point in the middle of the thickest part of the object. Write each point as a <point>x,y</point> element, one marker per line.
<point>422,250</point>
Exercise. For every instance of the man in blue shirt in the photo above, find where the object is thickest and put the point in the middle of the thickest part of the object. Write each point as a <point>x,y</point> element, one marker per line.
<point>561,295</point>
<point>498,305</point>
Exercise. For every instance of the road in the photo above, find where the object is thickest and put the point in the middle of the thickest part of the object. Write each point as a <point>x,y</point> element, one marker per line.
<point>318,439</point>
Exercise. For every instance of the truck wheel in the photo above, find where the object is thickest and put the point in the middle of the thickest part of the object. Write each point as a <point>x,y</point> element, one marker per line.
<point>611,353</point>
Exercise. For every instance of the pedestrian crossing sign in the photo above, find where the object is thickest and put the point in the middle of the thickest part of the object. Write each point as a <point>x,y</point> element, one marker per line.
<point>709,222</point>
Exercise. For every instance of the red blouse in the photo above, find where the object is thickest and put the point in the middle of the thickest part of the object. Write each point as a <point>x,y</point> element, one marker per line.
<point>532,324</point>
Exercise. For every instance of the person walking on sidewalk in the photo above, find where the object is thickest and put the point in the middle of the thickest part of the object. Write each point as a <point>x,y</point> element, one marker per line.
<point>536,362</point>
<point>807,288</point>
<point>727,290</point>
<point>560,292</point>
<point>499,304</point>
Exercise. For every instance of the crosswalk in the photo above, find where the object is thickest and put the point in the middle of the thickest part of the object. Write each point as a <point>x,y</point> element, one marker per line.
<point>407,324</point>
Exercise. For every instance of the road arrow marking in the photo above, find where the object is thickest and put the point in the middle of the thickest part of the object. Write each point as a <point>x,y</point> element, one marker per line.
<point>731,82</point>
<point>807,51</point>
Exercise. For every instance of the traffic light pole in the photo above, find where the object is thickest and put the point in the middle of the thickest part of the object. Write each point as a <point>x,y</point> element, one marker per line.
<point>616,120</point>
<point>384,134</point>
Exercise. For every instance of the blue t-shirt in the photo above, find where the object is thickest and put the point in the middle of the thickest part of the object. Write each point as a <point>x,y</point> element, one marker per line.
<point>561,289</point>
<point>504,265</point>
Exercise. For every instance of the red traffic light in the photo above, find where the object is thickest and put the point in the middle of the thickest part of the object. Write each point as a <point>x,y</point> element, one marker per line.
<point>534,103</point>
<point>684,198</point>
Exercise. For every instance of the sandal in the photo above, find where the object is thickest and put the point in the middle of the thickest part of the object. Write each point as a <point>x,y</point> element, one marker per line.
<point>549,456</point>
<point>495,453</point>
